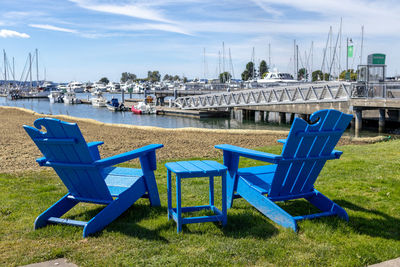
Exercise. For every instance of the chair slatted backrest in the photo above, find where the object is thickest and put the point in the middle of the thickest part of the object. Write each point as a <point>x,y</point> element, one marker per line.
<point>66,150</point>
<point>306,150</point>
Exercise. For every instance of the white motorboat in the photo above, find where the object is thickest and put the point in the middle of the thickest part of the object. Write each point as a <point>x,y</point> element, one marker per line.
<point>76,87</point>
<point>277,77</point>
<point>143,108</point>
<point>55,97</point>
<point>99,86</point>
<point>98,100</point>
<point>70,98</point>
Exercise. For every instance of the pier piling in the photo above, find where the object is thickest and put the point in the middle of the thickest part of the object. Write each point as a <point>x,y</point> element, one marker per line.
<point>257,116</point>
<point>358,122</point>
<point>381,123</point>
<point>282,118</point>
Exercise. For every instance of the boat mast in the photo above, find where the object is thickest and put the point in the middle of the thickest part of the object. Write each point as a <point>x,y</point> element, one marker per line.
<point>13,69</point>
<point>30,71</point>
<point>204,61</point>
<point>223,58</point>
<point>231,64</point>
<point>253,59</point>
<point>5,68</point>
<point>362,43</point>
<point>294,60</point>
<point>219,63</point>
<point>312,59</point>
<point>325,51</point>
<point>269,54</point>
<point>37,68</point>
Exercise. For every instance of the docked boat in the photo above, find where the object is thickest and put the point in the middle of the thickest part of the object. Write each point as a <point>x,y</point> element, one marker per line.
<point>76,87</point>
<point>70,98</point>
<point>115,105</point>
<point>55,97</point>
<point>99,86</point>
<point>99,100</point>
<point>277,77</point>
<point>143,108</point>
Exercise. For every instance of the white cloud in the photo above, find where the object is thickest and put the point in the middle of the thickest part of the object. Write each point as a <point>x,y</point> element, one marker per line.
<point>51,28</point>
<point>140,11</point>
<point>151,26</point>
<point>267,8</point>
<point>12,34</point>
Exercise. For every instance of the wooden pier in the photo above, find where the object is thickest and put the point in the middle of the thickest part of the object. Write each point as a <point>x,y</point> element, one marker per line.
<point>193,113</point>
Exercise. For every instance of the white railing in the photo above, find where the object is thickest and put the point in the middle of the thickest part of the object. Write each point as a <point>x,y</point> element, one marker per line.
<point>303,93</point>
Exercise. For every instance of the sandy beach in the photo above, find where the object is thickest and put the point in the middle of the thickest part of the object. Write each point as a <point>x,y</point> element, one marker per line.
<point>18,152</point>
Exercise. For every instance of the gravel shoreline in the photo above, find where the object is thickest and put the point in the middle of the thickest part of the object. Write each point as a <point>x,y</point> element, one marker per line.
<point>18,152</point>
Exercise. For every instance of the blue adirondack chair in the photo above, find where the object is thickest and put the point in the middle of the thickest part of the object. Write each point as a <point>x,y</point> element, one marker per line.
<point>89,178</point>
<point>293,173</point>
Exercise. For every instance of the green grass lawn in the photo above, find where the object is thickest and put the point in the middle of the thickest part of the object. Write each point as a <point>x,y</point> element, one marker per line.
<point>365,181</point>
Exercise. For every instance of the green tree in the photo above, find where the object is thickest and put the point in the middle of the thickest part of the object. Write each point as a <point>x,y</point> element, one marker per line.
<point>224,77</point>
<point>153,76</point>
<point>185,79</point>
<point>326,76</point>
<point>302,74</point>
<point>126,76</point>
<point>317,76</point>
<point>167,77</point>
<point>245,75</point>
<point>248,72</point>
<point>176,78</point>
<point>263,68</point>
<point>353,75</point>
<point>104,80</point>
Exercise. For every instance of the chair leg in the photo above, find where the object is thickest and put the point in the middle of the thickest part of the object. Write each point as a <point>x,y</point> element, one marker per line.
<point>116,208</point>
<point>152,189</point>
<point>231,160</point>
<point>265,205</point>
<point>325,204</point>
<point>58,209</point>
<point>230,189</point>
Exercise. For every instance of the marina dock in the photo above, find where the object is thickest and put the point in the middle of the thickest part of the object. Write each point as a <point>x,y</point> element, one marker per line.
<point>193,113</point>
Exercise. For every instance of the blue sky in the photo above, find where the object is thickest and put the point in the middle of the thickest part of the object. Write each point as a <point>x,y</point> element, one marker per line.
<point>89,39</point>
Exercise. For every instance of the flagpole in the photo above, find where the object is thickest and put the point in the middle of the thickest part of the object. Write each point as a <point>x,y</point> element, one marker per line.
<point>347,56</point>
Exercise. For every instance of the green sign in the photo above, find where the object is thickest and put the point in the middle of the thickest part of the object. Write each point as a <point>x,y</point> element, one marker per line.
<point>130,90</point>
<point>350,49</point>
<point>376,59</point>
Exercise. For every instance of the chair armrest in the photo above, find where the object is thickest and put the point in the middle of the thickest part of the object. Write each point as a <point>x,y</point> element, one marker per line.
<point>336,153</point>
<point>94,150</point>
<point>41,161</point>
<point>127,155</point>
<point>249,153</point>
<point>282,141</point>
<point>95,144</point>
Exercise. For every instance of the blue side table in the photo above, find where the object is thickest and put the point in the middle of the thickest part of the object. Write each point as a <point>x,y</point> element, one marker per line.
<point>191,169</point>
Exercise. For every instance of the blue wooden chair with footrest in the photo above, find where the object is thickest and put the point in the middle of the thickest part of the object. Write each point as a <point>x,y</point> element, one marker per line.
<point>293,173</point>
<point>88,177</point>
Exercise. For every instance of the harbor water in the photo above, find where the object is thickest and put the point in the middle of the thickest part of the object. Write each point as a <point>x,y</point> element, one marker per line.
<point>102,114</point>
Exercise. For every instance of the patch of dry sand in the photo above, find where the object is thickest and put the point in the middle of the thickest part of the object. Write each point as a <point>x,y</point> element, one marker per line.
<point>18,152</point>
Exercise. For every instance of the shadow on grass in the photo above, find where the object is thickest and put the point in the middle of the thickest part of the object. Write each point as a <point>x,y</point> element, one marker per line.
<point>126,223</point>
<point>385,226</point>
<point>247,224</point>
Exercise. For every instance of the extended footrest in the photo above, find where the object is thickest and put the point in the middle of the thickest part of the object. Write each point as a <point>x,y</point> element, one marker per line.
<point>67,221</point>
<point>313,216</point>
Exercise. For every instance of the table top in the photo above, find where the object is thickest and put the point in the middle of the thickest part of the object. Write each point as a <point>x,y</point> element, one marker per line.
<point>196,167</point>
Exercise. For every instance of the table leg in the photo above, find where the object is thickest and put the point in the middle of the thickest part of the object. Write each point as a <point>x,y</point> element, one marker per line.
<point>224,212</point>
<point>169,194</point>
<point>178,203</point>
<point>211,191</point>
